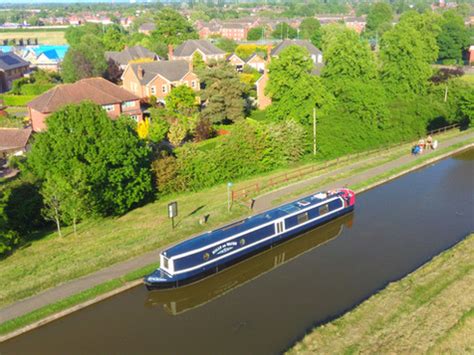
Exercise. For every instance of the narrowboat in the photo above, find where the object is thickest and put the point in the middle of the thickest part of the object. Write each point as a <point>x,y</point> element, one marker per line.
<point>175,301</point>
<point>215,250</point>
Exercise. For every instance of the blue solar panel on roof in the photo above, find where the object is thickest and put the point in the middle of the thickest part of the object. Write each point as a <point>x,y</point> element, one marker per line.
<point>10,60</point>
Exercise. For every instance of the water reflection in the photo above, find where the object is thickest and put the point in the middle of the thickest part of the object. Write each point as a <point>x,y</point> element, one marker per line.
<point>179,300</point>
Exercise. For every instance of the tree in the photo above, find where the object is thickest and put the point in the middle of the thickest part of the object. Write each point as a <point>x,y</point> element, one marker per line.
<point>114,39</point>
<point>203,130</point>
<point>172,28</point>
<point>181,101</point>
<point>226,44</point>
<point>113,72</point>
<point>256,33</point>
<point>223,94</point>
<point>84,60</point>
<point>454,37</point>
<point>9,238</point>
<point>378,19</point>
<point>294,90</point>
<point>348,57</point>
<point>74,34</point>
<point>108,156</point>
<point>54,194</point>
<point>283,31</point>
<point>177,133</point>
<point>159,127</point>
<point>310,29</point>
<point>405,65</point>
<point>198,62</point>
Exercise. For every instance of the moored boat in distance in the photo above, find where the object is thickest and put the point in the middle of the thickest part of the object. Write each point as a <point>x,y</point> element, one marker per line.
<point>210,252</point>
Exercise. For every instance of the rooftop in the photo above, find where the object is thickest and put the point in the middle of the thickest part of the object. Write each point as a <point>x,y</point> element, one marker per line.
<point>10,61</point>
<point>98,90</point>
<point>131,53</point>
<point>14,138</point>
<point>189,47</point>
<point>173,70</point>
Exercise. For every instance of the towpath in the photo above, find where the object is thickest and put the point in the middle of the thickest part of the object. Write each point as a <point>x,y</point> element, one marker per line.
<point>263,202</point>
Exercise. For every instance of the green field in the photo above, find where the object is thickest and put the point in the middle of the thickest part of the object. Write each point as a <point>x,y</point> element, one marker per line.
<point>44,37</point>
<point>428,311</point>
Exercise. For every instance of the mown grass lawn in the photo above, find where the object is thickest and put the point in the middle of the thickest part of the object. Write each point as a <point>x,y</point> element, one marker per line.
<point>429,311</point>
<point>44,37</point>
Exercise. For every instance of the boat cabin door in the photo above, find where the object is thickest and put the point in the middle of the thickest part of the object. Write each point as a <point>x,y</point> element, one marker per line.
<point>280,227</point>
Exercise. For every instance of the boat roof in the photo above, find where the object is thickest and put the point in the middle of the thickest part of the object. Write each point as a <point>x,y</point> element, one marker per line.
<point>247,223</point>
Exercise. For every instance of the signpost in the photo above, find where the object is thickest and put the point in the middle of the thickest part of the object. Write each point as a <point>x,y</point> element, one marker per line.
<point>229,185</point>
<point>172,212</point>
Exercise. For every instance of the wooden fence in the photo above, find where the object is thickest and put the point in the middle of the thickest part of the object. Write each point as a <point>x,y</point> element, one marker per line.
<point>244,195</point>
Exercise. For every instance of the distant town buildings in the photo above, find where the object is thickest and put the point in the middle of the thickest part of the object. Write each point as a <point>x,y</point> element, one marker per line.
<point>147,28</point>
<point>44,57</point>
<point>115,100</point>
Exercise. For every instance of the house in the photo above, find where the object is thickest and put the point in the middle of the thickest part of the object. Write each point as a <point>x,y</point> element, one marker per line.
<point>147,28</point>
<point>236,61</point>
<point>257,62</point>
<point>315,54</point>
<point>45,57</point>
<point>131,54</point>
<point>205,48</point>
<point>471,55</point>
<point>13,141</point>
<point>158,78</point>
<point>234,31</point>
<point>12,67</point>
<point>115,100</point>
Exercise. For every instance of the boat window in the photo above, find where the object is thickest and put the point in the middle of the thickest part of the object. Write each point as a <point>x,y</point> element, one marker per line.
<point>303,217</point>
<point>323,209</point>
<point>233,225</point>
<point>165,263</point>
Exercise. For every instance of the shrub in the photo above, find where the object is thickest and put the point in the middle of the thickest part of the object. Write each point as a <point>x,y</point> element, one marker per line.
<point>14,100</point>
<point>35,89</point>
<point>165,170</point>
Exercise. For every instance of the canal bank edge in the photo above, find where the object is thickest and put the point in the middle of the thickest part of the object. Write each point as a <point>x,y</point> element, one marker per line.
<point>51,312</point>
<point>427,311</point>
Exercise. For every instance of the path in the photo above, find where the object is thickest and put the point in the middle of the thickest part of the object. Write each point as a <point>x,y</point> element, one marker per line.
<point>263,202</point>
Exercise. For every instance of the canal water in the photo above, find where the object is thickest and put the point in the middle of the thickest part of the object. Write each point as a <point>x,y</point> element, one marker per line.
<point>265,304</point>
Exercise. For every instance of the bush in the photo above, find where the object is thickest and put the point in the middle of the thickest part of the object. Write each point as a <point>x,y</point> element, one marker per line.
<point>164,170</point>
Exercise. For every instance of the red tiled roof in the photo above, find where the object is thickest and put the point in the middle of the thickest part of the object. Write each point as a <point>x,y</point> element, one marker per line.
<point>98,90</point>
<point>14,138</point>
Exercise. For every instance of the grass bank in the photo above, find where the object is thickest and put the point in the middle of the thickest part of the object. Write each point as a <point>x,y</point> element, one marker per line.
<point>51,260</point>
<point>429,311</point>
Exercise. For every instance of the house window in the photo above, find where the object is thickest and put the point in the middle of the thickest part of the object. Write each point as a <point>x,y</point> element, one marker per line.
<point>128,104</point>
<point>193,83</point>
<point>165,89</point>
<point>109,108</point>
<point>153,90</point>
<point>303,217</point>
<point>134,117</point>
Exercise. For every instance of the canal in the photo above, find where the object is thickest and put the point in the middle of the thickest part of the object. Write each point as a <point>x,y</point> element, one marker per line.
<point>265,304</point>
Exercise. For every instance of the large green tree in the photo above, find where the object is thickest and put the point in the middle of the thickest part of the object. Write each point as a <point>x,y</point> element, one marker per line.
<point>226,44</point>
<point>181,101</point>
<point>294,90</point>
<point>453,39</point>
<point>223,93</point>
<point>379,19</point>
<point>114,38</point>
<point>84,60</point>
<point>406,67</point>
<point>172,28</point>
<point>256,33</point>
<point>88,152</point>
<point>310,29</point>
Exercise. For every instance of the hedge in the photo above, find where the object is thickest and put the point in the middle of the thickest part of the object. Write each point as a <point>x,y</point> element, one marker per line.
<point>35,89</point>
<point>16,100</point>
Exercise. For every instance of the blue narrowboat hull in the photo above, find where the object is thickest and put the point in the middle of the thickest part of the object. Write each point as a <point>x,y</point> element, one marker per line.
<point>204,255</point>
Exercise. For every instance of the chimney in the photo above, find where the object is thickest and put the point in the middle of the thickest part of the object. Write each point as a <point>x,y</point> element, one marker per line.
<point>190,64</point>
<point>140,72</point>
<point>170,52</point>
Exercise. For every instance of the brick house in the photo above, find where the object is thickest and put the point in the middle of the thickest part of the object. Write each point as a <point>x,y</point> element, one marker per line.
<point>12,67</point>
<point>234,31</point>
<point>187,50</point>
<point>129,54</point>
<point>158,78</point>
<point>257,62</point>
<point>236,62</point>
<point>115,100</point>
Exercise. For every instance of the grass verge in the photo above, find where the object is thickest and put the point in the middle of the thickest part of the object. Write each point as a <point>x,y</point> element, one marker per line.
<point>429,311</point>
<point>41,313</point>
<point>52,260</point>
